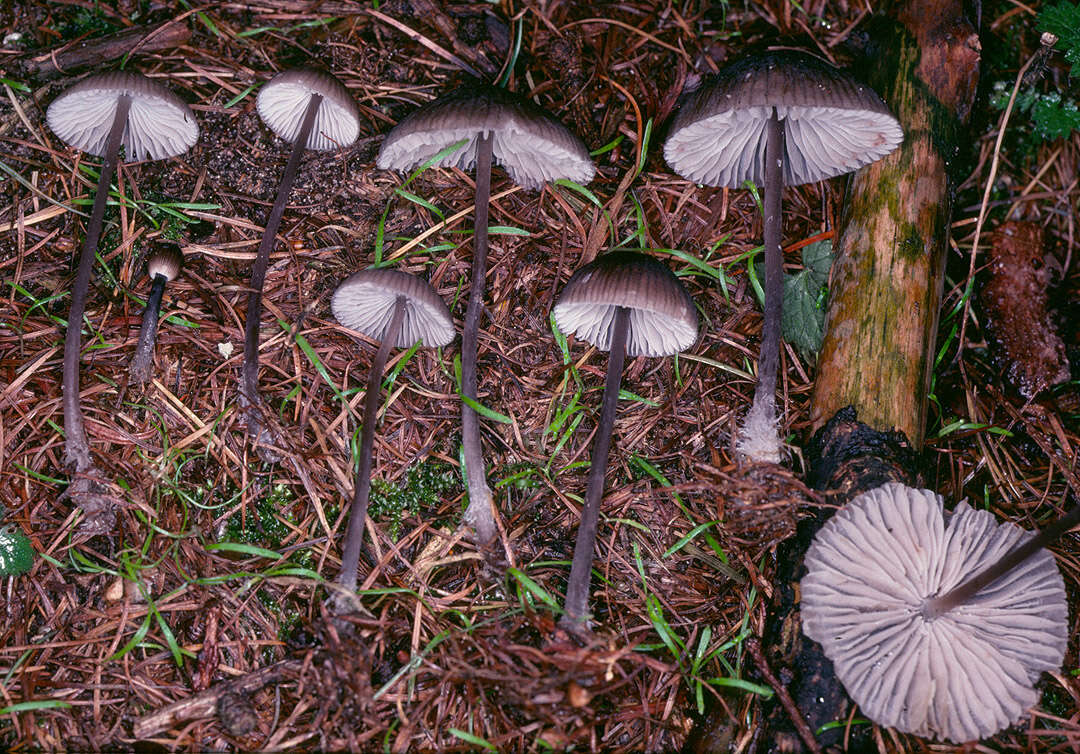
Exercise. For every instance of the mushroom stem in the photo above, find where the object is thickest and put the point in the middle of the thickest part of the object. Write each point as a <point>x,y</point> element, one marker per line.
<point>478,514</point>
<point>144,351</point>
<point>354,535</point>
<point>249,372</point>
<point>76,447</point>
<point>575,611</point>
<point>943,603</point>
<point>760,431</point>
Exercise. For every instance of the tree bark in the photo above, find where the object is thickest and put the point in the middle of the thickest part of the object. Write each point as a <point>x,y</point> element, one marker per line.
<point>71,57</point>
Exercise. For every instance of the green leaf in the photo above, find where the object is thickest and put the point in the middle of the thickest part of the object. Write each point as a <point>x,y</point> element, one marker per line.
<point>16,552</point>
<point>803,323</point>
<point>1063,19</point>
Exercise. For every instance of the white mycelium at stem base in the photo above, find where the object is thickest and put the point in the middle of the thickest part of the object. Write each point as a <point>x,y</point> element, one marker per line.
<point>962,675</point>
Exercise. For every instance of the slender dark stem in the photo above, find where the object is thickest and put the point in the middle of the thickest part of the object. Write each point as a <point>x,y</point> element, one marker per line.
<point>143,360</point>
<point>76,448</point>
<point>249,371</point>
<point>479,513</point>
<point>769,360</point>
<point>942,604</point>
<point>354,536</point>
<point>577,589</point>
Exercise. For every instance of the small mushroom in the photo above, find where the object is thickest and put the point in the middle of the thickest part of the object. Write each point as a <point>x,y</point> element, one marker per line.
<point>397,309</point>
<point>98,115</point>
<point>626,303</point>
<point>534,148</point>
<point>778,119</point>
<point>161,267</point>
<point>312,110</point>
<point>954,669</point>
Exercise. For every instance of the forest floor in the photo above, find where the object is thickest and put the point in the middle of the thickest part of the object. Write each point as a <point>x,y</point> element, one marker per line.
<point>217,563</point>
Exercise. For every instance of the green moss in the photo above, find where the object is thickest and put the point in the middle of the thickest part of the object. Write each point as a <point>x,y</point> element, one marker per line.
<point>424,486</point>
<point>267,524</point>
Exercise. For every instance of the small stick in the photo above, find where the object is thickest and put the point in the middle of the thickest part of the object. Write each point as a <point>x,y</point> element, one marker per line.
<point>753,646</point>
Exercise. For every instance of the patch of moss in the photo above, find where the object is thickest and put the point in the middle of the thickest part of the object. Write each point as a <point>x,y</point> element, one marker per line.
<point>267,524</point>
<point>424,486</point>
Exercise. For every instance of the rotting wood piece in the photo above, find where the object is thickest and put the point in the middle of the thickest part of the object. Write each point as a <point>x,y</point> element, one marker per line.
<point>887,277</point>
<point>91,53</point>
<point>1028,350</point>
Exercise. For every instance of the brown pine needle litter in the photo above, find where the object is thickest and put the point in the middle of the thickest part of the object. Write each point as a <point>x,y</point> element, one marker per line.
<point>199,622</point>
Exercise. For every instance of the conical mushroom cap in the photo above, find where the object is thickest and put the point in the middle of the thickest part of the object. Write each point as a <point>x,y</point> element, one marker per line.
<point>166,260</point>
<point>283,100</point>
<point>365,302</point>
<point>962,676</point>
<point>834,124</point>
<point>530,144</point>
<point>159,123</point>
<point>663,320</point>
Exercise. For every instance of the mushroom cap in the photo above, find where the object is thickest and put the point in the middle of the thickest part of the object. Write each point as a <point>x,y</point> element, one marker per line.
<point>365,302</point>
<point>283,100</point>
<point>834,124</point>
<point>166,261</point>
<point>529,143</point>
<point>663,320</point>
<point>159,123</point>
<point>962,676</point>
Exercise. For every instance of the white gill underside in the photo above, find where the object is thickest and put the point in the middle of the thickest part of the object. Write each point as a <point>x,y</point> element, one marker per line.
<point>282,107</point>
<point>368,309</point>
<point>729,149</point>
<point>156,128</point>
<point>523,163</point>
<point>962,676</point>
<point>650,334</point>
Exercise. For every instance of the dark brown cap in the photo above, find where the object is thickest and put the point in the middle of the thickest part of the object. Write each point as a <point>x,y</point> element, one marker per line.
<point>159,123</point>
<point>834,124</point>
<point>961,676</point>
<point>530,144</point>
<point>663,320</point>
<point>365,302</point>
<point>166,260</point>
<point>283,100</point>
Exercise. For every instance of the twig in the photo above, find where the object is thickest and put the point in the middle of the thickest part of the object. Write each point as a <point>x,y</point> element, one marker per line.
<point>753,646</point>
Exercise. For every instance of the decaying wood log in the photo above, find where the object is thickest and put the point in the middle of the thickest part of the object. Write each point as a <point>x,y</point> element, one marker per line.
<point>70,57</point>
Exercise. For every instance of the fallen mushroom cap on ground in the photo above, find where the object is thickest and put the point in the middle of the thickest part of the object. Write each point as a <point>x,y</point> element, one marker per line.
<point>820,123</point>
<point>872,570</point>
<point>534,148</point>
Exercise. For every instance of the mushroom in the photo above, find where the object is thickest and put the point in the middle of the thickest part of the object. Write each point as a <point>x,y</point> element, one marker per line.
<point>312,110</point>
<point>397,309</point>
<point>534,148</point>
<point>781,118</point>
<point>627,303</point>
<point>98,115</point>
<point>949,669</point>
<point>162,267</point>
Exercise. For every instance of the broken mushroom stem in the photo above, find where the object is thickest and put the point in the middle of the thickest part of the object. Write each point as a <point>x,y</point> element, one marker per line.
<point>760,428</point>
<point>479,513</point>
<point>249,372</point>
<point>354,536</point>
<point>962,594</point>
<point>76,447</point>
<point>577,588</point>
